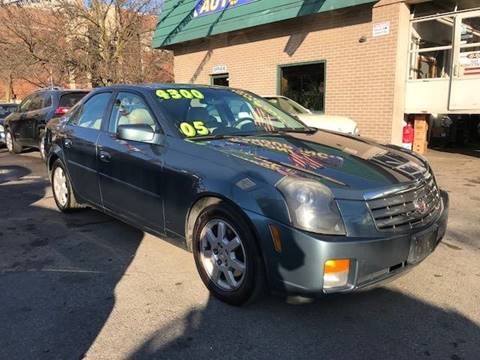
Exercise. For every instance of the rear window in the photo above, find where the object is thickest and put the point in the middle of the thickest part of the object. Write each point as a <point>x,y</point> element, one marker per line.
<point>70,99</point>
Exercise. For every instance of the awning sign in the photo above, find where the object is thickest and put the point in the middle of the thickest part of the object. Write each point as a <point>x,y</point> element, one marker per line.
<point>470,62</point>
<point>208,7</point>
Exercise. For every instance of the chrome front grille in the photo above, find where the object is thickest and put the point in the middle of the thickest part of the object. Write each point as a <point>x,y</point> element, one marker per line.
<point>408,208</point>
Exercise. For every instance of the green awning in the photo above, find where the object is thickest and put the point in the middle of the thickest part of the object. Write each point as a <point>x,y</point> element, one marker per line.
<point>184,20</point>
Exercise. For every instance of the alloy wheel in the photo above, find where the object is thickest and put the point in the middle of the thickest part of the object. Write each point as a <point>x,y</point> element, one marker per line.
<point>9,141</point>
<point>42,146</point>
<point>223,255</point>
<point>60,186</point>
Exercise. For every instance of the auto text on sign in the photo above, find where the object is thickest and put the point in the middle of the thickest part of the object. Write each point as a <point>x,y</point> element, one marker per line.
<point>207,7</point>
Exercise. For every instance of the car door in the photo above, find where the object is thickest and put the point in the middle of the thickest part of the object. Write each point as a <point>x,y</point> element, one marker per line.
<point>16,122</point>
<point>130,172</point>
<point>35,119</point>
<point>79,143</point>
<point>30,119</point>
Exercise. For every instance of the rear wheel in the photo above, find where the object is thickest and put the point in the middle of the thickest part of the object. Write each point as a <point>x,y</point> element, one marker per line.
<point>62,189</point>
<point>12,146</point>
<point>226,255</point>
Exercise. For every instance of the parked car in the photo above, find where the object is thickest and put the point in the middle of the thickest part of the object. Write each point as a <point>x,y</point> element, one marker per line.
<point>317,120</point>
<point>25,127</point>
<point>255,194</point>
<point>5,110</point>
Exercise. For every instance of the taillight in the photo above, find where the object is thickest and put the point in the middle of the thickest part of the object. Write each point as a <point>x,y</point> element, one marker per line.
<point>61,110</point>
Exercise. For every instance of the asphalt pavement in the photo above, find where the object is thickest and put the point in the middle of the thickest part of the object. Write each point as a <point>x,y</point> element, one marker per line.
<point>86,286</point>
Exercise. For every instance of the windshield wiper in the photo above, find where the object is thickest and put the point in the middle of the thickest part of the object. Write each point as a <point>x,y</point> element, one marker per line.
<point>251,133</point>
<point>282,131</point>
<point>210,137</point>
<point>305,130</point>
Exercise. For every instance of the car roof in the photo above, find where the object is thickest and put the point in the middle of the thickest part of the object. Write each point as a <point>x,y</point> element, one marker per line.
<point>62,91</point>
<point>156,86</point>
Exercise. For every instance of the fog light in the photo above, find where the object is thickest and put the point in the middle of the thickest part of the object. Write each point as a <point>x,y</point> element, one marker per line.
<point>336,273</point>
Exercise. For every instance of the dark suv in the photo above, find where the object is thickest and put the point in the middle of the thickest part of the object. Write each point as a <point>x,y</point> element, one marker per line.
<point>25,127</point>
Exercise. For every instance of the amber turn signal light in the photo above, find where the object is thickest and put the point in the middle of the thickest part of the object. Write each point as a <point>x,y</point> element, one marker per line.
<point>277,241</point>
<point>335,273</point>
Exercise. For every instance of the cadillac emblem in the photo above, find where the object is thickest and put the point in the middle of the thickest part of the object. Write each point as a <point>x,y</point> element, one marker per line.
<point>420,206</point>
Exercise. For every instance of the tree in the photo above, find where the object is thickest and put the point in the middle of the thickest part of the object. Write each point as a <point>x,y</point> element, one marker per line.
<point>82,42</point>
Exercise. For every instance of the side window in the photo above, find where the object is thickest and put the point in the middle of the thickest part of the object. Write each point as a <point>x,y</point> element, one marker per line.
<point>37,102</point>
<point>91,113</point>
<point>73,114</point>
<point>47,100</point>
<point>25,105</point>
<point>130,109</point>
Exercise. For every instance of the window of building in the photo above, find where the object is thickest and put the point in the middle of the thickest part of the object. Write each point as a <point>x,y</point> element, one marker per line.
<point>441,7</point>
<point>220,80</point>
<point>469,60</point>
<point>431,48</point>
<point>304,83</point>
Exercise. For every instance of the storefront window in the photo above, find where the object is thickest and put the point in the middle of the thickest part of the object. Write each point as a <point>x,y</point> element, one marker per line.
<point>438,7</point>
<point>305,84</point>
<point>431,48</point>
<point>470,47</point>
<point>470,30</point>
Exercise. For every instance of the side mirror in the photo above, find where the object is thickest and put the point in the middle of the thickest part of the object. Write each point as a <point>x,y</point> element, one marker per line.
<point>136,132</point>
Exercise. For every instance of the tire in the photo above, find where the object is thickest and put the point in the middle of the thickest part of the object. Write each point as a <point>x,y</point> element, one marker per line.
<point>218,263</point>
<point>62,188</point>
<point>12,146</point>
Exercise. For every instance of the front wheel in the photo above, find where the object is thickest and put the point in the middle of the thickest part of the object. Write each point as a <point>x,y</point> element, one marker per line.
<point>41,146</point>
<point>62,189</point>
<point>12,146</point>
<point>226,255</point>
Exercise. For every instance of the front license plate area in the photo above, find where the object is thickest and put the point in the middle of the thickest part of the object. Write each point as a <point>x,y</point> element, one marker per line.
<point>421,246</point>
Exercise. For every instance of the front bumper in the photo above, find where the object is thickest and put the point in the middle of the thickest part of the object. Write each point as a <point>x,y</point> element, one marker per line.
<point>298,268</point>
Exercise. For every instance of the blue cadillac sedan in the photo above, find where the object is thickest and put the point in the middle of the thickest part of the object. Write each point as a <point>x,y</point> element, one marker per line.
<point>261,200</point>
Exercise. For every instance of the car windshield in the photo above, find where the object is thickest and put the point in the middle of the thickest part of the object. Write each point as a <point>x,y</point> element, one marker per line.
<point>199,112</point>
<point>297,108</point>
<point>287,105</point>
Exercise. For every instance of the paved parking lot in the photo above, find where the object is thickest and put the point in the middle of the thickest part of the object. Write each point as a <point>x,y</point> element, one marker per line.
<point>88,286</point>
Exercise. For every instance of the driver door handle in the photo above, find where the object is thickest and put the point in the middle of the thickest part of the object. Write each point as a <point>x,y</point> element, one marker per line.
<point>104,156</point>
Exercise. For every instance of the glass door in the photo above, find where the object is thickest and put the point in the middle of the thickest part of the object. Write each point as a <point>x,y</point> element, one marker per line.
<point>465,85</point>
<point>220,80</point>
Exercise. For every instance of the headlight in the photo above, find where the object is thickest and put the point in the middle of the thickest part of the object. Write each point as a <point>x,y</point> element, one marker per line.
<point>311,206</point>
<point>2,129</point>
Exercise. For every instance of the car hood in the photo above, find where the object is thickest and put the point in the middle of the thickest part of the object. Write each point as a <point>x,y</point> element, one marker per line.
<point>329,122</point>
<point>350,166</point>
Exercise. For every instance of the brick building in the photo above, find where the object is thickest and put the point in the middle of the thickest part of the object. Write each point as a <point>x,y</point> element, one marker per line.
<point>354,58</point>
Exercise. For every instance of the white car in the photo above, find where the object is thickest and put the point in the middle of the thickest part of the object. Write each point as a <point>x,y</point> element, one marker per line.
<point>320,121</point>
